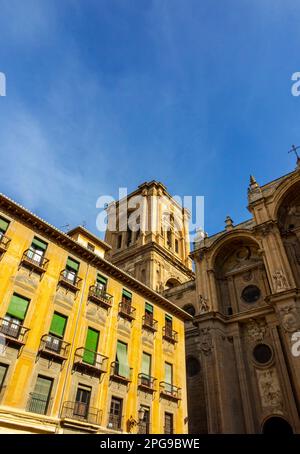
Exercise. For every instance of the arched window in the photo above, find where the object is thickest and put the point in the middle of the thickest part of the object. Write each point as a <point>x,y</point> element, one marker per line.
<point>190,309</point>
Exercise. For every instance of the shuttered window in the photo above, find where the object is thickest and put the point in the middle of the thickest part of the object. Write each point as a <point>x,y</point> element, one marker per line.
<point>40,397</point>
<point>72,265</point>
<point>18,307</point>
<point>3,225</point>
<point>58,325</point>
<point>127,295</point>
<point>122,360</point>
<point>91,346</point>
<point>146,364</point>
<point>149,308</point>
<point>101,281</point>
<point>168,373</point>
<point>38,244</point>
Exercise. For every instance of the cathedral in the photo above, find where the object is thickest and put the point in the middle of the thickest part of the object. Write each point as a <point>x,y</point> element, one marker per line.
<point>242,346</point>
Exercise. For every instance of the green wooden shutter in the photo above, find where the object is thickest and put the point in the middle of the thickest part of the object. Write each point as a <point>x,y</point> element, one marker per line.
<point>41,394</point>
<point>72,264</point>
<point>91,343</point>
<point>146,364</point>
<point>122,359</point>
<point>149,308</point>
<point>58,325</point>
<point>127,294</point>
<point>3,225</point>
<point>18,307</point>
<point>101,279</point>
<point>168,317</point>
<point>168,373</point>
<point>39,244</point>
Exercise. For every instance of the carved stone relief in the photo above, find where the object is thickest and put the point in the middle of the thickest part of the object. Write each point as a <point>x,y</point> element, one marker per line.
<point>269,389</point>
<point>256,330</point>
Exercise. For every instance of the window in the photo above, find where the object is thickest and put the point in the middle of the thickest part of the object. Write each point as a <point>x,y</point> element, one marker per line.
<point>168,377</point>
<point>262,353</point>
<point>169,238</point>
<point>126,297</point>
<point>91,346</point>
<point>144,423</point>
<point>3,372</point>
<point>192,366</point>
<point>129,237</point>
<point>149,314</point>
<point>71,270</point>
<point>56,332</point>
<point>251,294</point>
<point>101,283</point>
<point>119,241</point>
<point>90,247</point>
<point>122,367</point>
<point>3,226</point>
<point>115,414</point>
<point>15,315</point>
<point>190,309</point>
<point>39,399</point>
<point>146,370</point>
<point>176,246</point>
<point>37,250</point>
<point>168,325</point>
<point>168,429</point>
<point>82,403</point>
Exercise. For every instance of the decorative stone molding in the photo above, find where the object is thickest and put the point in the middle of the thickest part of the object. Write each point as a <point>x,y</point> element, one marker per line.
<point>280,281</point>
<point>256,330</point>
<point>289,319</point>
<point>203,305</point>
<point>206,344</point>
<point>269,389</point>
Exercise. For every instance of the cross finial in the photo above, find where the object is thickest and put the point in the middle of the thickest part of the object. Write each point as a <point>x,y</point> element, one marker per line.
<point>294,150</point>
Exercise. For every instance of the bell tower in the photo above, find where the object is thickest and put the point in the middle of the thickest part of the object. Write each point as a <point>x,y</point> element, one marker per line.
<point>149,235</point>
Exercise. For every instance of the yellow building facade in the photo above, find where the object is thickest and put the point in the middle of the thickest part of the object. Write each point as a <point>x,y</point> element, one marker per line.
<point>84,346</point>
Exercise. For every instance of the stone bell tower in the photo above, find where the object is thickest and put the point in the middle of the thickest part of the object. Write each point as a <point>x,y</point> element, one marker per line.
<point>149,234</point>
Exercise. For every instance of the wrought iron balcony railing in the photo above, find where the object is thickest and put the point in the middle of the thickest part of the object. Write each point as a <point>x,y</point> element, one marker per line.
<point>38,403</point>
<point>54,347</point>
<point>115,422</point>
<point>4,242</point>
<point>69,279</point>
<point>149,323</point>
<point>80,411</point>
<point>34,260</point>
<point>14,333</point>
<point>90,361</point>
<point>120,372</point>
<point>170,335</point>
<point>170,391</point>
<point>126,311</point>
<point>100,296</point>
<point>146,382</point>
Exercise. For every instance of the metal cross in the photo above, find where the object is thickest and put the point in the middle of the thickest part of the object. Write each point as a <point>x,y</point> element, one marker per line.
<point>294,150</point>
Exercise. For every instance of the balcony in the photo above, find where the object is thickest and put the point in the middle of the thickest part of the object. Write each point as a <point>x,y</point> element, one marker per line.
<point>149,323</point>
<point>82,412</point>
<point>34,261</point>
<point>89,361</point>
<point>69,280</point>
<point>115,422</point>
<point>53,347</point>
<point>146,383</point>
<point>170,335</point>
<point>120,373</point>
<point>169,391</point>
<point>14,333</point>
<point>4,242</point>
<point>126,311</point>
<point>100,297</point>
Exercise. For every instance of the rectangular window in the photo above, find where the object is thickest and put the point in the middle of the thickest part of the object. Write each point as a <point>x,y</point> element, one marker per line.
<point>3,372</point>
<point>91,346</point>
<point>176,246</point>
<point>119,241</point>
<point>146,370</point>
<point>56,332</point>
<point>72,268</point>
<point>148,314</point>
<point>90,247</point>
<point>168,325</point>
<point>168,377</point>
<point>115,414</point>
<point>39,399</point>
<point>168,429</point>
<point>122,368</point>
<point>126,297</point>
<point>3,226</point>
<point>37,250</point>
<point>101,282</point>
<point>16,312</point>
<point>144,423</point>
<point>83,399</point>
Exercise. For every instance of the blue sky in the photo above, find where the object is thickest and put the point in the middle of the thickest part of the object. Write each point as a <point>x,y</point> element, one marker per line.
<point>103,94</point>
